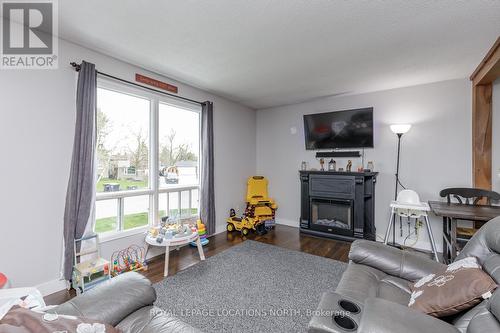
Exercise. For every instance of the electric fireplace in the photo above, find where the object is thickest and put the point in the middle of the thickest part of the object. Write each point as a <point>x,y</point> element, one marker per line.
<point>338,204</point>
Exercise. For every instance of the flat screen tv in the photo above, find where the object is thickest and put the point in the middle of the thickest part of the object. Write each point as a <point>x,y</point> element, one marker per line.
<point>339,129</point>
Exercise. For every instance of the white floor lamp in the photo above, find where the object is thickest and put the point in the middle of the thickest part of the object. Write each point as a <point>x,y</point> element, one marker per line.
<point>399,130</point>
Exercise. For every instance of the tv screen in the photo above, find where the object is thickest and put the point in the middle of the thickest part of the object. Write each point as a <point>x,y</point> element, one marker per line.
<point>339,129</point>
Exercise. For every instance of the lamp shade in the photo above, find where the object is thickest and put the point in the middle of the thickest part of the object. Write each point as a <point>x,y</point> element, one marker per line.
<point>400,128</point>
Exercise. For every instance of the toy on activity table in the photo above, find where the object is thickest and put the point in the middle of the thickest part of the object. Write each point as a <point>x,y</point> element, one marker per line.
<point>170,228</point>
<point>260,209</point>
<point>131,259</point>
<point>202,233</point>
<point>89,269</point>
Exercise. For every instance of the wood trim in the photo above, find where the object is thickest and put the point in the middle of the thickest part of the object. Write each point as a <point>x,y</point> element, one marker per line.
<point>482,88</point>
<point>489,68</point>
<point>482,135</point>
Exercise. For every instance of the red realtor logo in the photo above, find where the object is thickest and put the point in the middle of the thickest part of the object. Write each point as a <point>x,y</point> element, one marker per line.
<point>155,83</point>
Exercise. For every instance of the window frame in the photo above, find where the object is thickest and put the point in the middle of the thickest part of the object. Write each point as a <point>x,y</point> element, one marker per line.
<point>154,190</point>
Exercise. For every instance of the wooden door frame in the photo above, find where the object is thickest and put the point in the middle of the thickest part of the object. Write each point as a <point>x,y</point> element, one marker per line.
<point>482,91</point>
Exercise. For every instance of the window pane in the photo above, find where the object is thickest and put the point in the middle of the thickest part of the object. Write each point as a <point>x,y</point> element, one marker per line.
<point>171,207</point>
<point>195,203</point>
<point>163,205</point>
<point>122,141</point>
<point>136,212</point>
<point>185,205</point>
<point>106,215</point>
<point>179,146</point>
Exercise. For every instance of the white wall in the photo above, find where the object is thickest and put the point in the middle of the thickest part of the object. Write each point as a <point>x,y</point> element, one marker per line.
<point>37,114</point>
<point>436,153</point>
<point>495,148</point>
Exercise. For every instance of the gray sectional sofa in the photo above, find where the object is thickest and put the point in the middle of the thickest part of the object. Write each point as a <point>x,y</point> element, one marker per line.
<point>374,290</point>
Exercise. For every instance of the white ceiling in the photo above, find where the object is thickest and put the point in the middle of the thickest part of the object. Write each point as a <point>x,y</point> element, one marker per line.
<point>265,53</point>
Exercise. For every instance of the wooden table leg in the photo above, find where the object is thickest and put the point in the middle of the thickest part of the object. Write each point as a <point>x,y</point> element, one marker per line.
<point>200,249</point>
<point>167,255</point>
<point>446,238</point>
<point>146,252</point>
<point>453,239</point>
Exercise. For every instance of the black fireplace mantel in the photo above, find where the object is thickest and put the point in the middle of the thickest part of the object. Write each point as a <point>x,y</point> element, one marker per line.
<point>355,189</point>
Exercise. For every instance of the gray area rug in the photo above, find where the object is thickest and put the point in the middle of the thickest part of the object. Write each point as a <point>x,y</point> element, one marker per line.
<point>251,287</point>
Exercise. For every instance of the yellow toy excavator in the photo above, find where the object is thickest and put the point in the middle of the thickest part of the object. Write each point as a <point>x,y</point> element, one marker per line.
<point>260,209</point>
<point>259,204</point>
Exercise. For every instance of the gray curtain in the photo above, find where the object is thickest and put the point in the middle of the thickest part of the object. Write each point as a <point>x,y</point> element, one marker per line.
<point>207,196</point>
<point>80,193</point>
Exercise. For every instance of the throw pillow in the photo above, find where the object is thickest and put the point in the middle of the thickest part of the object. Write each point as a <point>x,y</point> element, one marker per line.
<point>21,320</point>
<point>461,286</point>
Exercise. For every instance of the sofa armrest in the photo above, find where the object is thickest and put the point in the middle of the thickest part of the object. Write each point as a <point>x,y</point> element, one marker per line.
<point>382,316</point>
<point>111,301</point>
<point>392,261</point>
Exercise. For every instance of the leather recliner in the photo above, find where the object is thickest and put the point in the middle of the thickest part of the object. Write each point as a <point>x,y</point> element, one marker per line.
<point>377,281</point>
<point>125,302</point>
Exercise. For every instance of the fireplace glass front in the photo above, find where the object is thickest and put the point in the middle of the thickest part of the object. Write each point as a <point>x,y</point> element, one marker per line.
<point>332,215</point>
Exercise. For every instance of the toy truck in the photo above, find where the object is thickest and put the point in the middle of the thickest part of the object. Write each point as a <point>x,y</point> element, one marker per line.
<point>244,224</point>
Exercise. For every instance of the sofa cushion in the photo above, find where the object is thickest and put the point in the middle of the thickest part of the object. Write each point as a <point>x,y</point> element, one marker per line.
<point>491,265</point>
<point>151,319</point>
<point>406,265</point>
<point>484,322</point>
<point>462,320</point>
<point>453,290</point>
<point>112,300</point>
<point>360,282</point>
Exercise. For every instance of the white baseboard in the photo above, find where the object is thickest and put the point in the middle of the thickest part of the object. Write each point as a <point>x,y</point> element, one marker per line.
<point>291,223</point>
<point>51,287</point>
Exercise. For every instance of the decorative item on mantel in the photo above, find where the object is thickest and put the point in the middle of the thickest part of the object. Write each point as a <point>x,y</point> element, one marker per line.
<point>332,165</point>
<point>349,166</point>
<point>369,166</point>
<point>303,166</point>
<point>322,163</point>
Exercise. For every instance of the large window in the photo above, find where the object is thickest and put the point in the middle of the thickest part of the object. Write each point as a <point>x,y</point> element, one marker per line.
<point>147,158</point>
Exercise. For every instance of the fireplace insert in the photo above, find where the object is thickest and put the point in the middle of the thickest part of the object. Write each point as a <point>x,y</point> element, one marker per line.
<point>332,215</point>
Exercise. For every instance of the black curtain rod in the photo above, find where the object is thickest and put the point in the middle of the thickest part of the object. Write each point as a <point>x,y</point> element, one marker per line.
<point>77,68</point>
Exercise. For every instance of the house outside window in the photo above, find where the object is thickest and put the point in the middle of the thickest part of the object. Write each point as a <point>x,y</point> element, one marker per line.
<point>148,155</point>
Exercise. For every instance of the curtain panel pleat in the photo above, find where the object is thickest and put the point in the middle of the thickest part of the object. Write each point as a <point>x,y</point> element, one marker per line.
<point>81,185</point>
<point>207,197</point>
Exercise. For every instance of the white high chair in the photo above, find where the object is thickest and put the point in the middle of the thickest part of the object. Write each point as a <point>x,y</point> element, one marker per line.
<point>408,205</point>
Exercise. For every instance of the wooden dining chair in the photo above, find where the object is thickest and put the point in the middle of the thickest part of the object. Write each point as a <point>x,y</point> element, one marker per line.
<point>469,196</point>
<point>455,237</point>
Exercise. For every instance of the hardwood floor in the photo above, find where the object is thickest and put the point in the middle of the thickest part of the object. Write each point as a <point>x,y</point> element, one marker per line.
<point>283,236</point>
